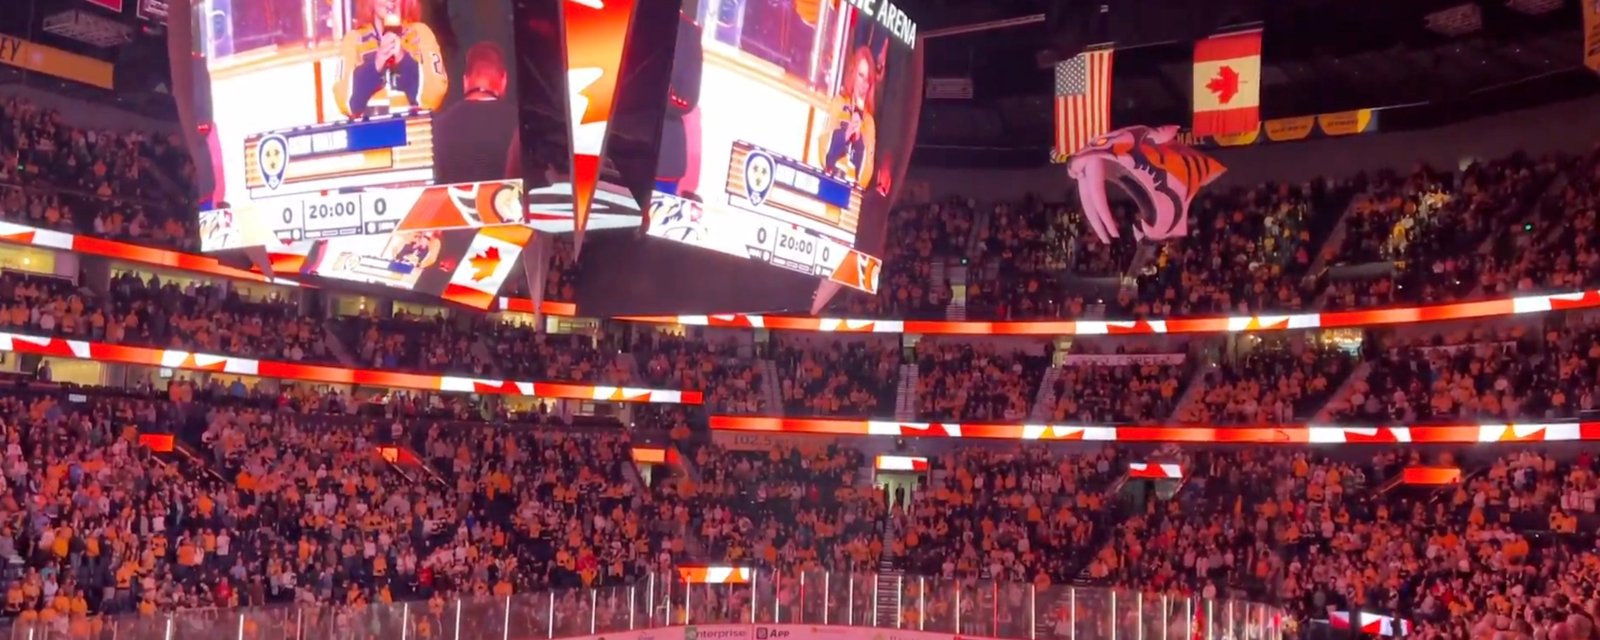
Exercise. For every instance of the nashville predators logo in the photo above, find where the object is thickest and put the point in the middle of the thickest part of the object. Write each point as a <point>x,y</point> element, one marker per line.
<point>272,159</point>
<point>757,177</point>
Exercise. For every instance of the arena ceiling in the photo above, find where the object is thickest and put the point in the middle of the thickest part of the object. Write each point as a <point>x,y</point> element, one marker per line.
<point>1319,56</point>
<point>139,53</point>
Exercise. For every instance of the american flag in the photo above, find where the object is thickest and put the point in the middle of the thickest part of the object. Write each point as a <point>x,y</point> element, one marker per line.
<point>1083,100</point>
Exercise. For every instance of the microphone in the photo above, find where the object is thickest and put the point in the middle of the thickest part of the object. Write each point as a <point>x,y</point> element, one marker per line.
<point>392,26</point>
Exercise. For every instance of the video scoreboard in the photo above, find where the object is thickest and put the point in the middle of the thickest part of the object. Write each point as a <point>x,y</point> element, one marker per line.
<point>363,177</point>
<point>378,151</point>
<point>779,211</point>
<point>405,145</point>
<point>316,216</point>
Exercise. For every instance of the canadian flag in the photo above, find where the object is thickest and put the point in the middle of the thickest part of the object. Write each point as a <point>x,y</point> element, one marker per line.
<point>1371,623</point>
<point>1227,84</point>
<point>488,262</point>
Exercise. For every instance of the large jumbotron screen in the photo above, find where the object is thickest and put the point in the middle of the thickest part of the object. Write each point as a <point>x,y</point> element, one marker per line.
<point>355,132</point>
<point>780,127</point>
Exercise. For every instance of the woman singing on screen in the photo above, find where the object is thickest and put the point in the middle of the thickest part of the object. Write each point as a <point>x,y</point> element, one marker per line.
<point>852,138</point>
<point>391,60</point>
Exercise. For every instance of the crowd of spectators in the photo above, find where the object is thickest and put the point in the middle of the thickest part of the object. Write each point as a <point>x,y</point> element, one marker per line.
<point>1019,515</point>
<point>298,507</point>
<point>1247,251</point>
<point>919,237</point>
<point>838,378</point>
<point>1441,232</point>
<point>1126,392</point>
<point>730,379</point>
<point>966,382</point>
<point>467,344</point>
<point>1022,251</point>
<point>1445,237</point>
<point>788,508</point>
<point>1275,383</point>
<point>293,496</point>
<point>278,506</point>
<point>1553,249</point>
<point>124,185</point>
<point>144,311</point>
<point>1487,372</point>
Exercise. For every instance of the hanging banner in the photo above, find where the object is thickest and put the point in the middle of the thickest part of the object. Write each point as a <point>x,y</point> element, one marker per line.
<point>1327,125</point>
<point>51,61</point>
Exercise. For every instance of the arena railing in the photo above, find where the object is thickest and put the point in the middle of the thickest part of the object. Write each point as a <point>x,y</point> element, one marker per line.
<point>746,605</point>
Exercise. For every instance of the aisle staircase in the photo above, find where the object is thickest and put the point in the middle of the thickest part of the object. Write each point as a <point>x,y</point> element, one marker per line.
<point>409,465</point>
<point>336,345</point>
<point>979,221</point>
<point>940,272</point>
<point>1342,393</point>
<point>1194,390</point>
<point>1044,401</point>
<point>191,462</point>
<point>159,177</point>
<point>770,382</point>
<point>1335,237</point>
<point>886,591</point>
<point>481,350</point>
<point>886,613</point>
<point>905,396</point>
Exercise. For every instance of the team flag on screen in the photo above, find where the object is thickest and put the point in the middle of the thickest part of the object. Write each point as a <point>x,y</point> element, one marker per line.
<point>487,263</point>
<point>596,32</point>
<point>1083,100</point>
<point>1227,84</point>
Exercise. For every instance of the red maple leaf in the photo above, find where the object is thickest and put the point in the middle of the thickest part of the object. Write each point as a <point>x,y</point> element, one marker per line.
<point>484,265</point>
<point>1225,84</point>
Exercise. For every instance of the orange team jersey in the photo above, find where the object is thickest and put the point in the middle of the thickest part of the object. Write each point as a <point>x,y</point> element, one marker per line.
<point>418,79</point>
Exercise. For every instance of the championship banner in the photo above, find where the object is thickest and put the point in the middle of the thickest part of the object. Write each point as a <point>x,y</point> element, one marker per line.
<point>38,58</point>
<point>1295,129</point>
<point>596,37</point>
<point>1591,35</point>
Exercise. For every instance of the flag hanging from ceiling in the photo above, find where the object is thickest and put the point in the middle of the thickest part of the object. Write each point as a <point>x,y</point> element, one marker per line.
<point>596,33</point>
<point>1227,83</point>
<point>1083,100</point>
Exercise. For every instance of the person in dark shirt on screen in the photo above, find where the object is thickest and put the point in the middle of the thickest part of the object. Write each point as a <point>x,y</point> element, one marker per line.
<point>678,162</point>
<point>471,138</point>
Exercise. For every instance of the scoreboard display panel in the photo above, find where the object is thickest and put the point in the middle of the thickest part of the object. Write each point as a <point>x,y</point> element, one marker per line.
<point>774,139</point>
<point>318,216</point>
<point>352,117</point>
<point>463,265</point>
